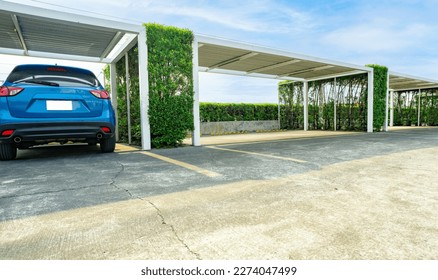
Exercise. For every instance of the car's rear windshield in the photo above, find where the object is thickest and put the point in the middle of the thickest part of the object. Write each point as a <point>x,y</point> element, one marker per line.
<point>53,75</point>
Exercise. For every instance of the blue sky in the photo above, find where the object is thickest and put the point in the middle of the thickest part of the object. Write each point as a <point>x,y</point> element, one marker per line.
<point>398,34</point>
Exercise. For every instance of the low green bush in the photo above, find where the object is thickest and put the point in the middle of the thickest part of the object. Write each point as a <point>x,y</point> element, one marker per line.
<point>217,112</point>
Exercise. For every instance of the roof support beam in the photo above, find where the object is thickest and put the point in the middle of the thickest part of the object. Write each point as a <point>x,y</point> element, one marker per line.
<point>397,79</point>
<point>112,44</point>
<point>20,34</point>
<point>344,74</point>
<point>232,60</point>
<point>406,82</point>
<point>125,46</point>
<point>414,88</point>
<point>273,66</point>
<point>308,70</point>
<point>55,56</point>
<point>246,74</point>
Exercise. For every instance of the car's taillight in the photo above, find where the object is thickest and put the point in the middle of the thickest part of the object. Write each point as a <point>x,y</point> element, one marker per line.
<point>106,129</point>
<point>7,132</point>
<point>10,91</point>
<point>102,94</point>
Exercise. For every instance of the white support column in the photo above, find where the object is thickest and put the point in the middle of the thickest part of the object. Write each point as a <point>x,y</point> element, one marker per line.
<point>419,107</point>
<point>144,90</point>
<point>370,115</point>
<point>305,105</point>
<point>113,89</point>
<point>391,108</point>
<point>196,134</point>
<point>385,125</point>
<point>128,97</point>
<point>278,110</point>
<point>335,100</point>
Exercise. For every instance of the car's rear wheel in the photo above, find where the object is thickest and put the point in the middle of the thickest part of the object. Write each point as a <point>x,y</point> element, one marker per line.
<point>7,151</point>
<point>108,145</point>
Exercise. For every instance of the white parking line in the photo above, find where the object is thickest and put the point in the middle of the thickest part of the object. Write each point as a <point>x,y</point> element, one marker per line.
<point>257,154</point>
<point>182,164</point>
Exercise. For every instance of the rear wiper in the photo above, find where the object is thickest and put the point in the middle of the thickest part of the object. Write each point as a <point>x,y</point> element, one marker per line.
<point>40,82</point>
<point>86,83</point>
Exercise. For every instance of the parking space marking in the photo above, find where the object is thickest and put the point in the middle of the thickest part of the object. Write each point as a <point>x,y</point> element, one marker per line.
<point>257,154</point>
<point>121,148</point>
<point>183,164</point>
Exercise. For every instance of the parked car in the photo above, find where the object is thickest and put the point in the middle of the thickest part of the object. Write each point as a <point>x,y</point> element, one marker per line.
<point>40,104</point>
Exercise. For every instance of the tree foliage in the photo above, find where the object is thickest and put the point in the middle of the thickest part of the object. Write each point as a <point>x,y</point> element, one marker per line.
<point>347,96</point>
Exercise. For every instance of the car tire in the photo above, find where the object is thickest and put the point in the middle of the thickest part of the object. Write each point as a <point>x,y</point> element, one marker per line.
<point>108,145</point>
<point>7,151</point>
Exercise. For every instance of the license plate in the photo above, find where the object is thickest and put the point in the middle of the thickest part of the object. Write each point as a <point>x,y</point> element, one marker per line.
<point>59,105</point>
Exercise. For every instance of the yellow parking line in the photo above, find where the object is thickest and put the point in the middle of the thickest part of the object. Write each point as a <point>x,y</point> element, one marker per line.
<point>182,164</point>
<point>121,148</point>
<point>257,154</point>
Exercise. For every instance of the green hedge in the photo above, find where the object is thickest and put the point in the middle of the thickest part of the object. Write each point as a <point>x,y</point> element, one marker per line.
<point>380,89</point>
<point>170,84</point>
<point>217,112</point>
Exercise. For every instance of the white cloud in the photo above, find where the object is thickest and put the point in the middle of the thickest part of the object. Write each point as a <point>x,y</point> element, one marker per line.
<point>378,37</point>
<point>253,16</point>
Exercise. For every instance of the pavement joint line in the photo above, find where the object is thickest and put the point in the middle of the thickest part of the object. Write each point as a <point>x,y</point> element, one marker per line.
<point>189,166</point>
<point>258,154</point>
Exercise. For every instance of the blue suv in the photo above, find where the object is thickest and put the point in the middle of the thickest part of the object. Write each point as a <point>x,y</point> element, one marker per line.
<point>40,104</point>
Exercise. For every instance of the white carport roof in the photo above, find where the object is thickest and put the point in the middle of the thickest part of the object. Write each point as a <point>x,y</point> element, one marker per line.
<point>32,31</point>
<point>229,57</point>
<point>403,82</point>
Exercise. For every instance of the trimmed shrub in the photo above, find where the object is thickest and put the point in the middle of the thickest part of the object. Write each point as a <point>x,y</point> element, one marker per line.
<point>217,112</point>
<point>170,83</point>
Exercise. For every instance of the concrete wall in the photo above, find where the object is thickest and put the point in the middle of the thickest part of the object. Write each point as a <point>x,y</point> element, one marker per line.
<point>208,128</point>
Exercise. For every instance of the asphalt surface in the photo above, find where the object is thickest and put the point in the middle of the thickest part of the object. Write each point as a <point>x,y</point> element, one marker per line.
<point>65,186</point>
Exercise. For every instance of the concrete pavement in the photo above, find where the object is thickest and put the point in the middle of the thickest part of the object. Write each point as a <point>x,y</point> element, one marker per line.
<point>355,196</point>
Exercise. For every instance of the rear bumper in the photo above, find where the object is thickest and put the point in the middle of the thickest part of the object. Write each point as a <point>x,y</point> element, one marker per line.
<point>60,131</point>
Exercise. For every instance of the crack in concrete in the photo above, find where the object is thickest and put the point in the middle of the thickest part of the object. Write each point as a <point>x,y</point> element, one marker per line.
<point>113,180</point>
<point>172,228</point>
<point>159,213</point>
